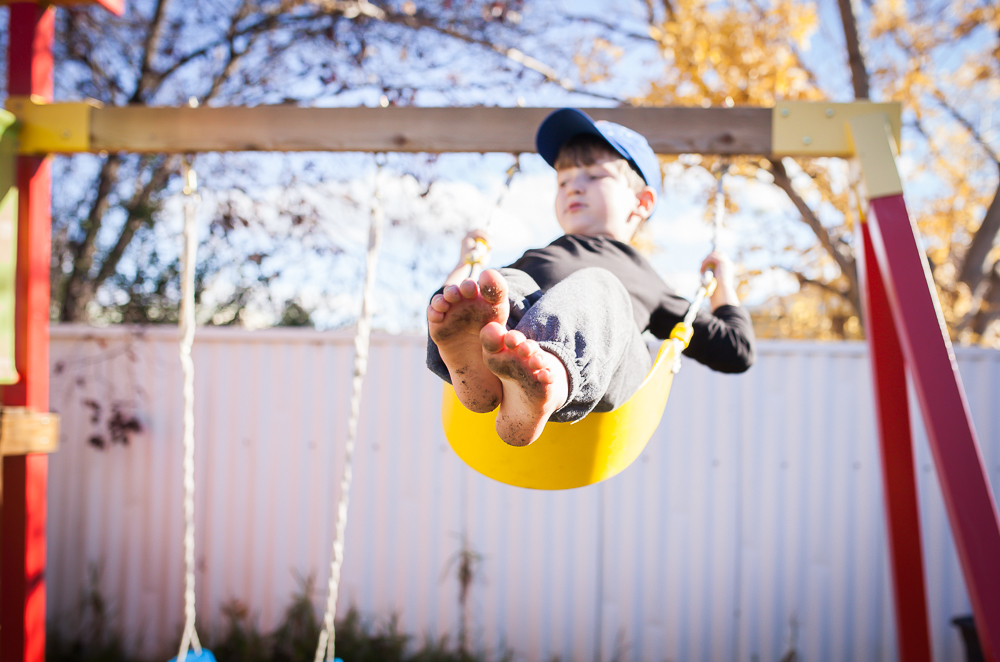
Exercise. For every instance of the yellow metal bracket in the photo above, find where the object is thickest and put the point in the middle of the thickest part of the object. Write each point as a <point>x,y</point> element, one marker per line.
<point>48,128</point>
<point>24,431</point>
<point>875,147</point>
<point>809,128</point>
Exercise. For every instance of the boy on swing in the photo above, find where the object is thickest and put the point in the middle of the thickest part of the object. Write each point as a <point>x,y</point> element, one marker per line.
<point>557,334</point>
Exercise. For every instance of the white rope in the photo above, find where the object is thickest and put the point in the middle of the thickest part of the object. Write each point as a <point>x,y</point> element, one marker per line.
<point>190,637</point>
<point>327,638</point>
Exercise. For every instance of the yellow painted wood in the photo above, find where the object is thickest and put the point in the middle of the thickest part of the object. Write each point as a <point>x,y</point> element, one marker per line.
<point>52,128</point>
<point>809,128</point>
<point>8,244</point>
<point>567,455</point>
<point>876,148</point>
<point>24,431</point>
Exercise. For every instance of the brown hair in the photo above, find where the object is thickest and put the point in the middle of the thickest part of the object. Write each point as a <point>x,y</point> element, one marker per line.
<point>584,150</point>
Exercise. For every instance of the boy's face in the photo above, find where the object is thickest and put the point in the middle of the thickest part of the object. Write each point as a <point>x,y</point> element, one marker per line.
<point>598,200</point>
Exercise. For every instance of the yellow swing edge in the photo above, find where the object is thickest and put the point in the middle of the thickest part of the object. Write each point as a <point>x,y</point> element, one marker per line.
<point>567,455</point>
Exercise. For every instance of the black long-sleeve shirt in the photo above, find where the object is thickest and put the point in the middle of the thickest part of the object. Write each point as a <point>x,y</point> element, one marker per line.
<point>723,340</point>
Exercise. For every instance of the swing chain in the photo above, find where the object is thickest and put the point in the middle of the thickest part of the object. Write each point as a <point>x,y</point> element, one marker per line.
<point>683,331</point>
<point>476,258</point>
<point>720,200</point>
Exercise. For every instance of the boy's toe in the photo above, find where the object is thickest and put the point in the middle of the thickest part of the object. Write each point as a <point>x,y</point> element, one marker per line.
<point>439,304</point>
<point>469,289</point>
<point>493,286</point>
<point>513,339</point>
<point>492,336</point>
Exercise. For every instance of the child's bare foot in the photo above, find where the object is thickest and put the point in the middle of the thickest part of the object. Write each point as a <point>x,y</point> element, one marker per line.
<point>455,318</point>
<point>535,383</point>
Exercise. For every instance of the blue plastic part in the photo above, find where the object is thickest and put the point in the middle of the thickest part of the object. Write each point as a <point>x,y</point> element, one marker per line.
<point>204,656</point>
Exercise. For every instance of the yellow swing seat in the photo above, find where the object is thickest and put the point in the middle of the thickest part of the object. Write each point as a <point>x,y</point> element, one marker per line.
<point>566,455</point>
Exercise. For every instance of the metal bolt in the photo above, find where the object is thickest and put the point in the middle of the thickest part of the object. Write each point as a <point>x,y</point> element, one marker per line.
<point>829,112</point>
<point>807,140</point>
<point>785,112</point>
<point>66,134</point>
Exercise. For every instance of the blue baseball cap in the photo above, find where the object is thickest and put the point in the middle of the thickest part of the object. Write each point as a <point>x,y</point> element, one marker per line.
<point>561,125</point>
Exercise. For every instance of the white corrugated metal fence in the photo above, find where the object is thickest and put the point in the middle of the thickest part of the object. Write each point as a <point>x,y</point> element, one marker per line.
<point>752,523</point>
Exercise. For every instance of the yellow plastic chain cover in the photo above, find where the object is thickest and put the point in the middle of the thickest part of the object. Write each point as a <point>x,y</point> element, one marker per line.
<point>682,332</point>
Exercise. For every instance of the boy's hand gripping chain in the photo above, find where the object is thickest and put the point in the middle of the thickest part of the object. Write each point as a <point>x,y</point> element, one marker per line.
<point>476,258</point>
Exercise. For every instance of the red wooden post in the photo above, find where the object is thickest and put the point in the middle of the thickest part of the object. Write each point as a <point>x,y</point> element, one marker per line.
<point>22,524</point>
<point>927,348</point>
<point>899,481</point>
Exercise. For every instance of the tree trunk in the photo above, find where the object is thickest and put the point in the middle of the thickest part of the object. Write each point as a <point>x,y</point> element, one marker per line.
<point>974,264</point>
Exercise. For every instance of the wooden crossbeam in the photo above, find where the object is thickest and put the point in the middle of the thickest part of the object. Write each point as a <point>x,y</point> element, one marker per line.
<point>788,129</point>
<point>474,129</point>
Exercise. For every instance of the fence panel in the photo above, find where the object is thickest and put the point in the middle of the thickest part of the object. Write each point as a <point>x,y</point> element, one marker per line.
<point>751,524</point>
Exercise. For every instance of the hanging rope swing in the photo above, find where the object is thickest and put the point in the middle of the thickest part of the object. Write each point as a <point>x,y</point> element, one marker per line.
<point>599,446</point>
<point>327,638</point>
<point>190,649</point>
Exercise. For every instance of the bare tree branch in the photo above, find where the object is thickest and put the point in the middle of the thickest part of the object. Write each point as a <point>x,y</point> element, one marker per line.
<point>610,26</point>
<point>418,21</point>
<point>826,287</point>
<point>75,294</point>
<point>147,79</point>
<point>847,264</point>
<point>138,213</point>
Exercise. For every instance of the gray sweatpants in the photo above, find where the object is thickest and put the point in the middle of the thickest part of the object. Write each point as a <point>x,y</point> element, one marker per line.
<point>586,321</point>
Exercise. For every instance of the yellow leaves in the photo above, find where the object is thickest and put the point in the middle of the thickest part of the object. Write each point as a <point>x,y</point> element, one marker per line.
<point>943,64</point>
<point>596,64</point>
<point>739,52</point>
<point>813,313</point>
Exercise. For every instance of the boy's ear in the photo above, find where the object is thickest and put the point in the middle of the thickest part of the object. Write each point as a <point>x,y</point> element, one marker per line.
<point>647,201</point>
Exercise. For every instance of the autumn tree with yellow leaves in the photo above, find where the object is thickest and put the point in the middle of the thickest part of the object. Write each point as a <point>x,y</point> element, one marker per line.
<point>940,59</point>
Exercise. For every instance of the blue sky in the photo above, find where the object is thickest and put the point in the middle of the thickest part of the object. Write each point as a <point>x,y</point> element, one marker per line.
<point>423,232</point>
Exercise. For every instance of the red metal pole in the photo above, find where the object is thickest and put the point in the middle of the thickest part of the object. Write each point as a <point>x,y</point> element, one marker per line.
<point>22,523</point>
<point>927,348</point>
<point>899,481</point>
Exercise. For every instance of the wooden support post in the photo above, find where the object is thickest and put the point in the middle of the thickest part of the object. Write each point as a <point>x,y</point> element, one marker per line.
<point>22,521</point>
<point>899,479</point>
<point>928,352</point>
